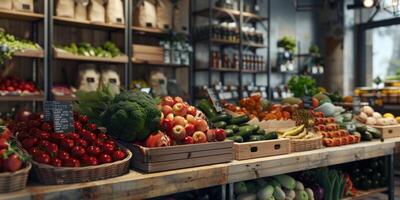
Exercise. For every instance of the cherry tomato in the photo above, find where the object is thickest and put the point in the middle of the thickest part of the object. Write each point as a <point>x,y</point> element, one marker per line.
<point>92,127</point>
<point>72,162</point>
<point>84,158</point>
<point>67,144</point>
<point>35,150</point>
<point>77,126</point>
<point>12,163</point>
<point>102,136</point>
<point>34,131</point>
<point>43,143</point>
<point>42,135</point>
<point>33,123</point>
<point>111,142</point>
<point>77,151</point>
<point>29,142</point>
<point>83,119</point>
<point>46,126</point>
<point>22,135</point>
<point>104,158</point>
<point>118,155</point>
<point>97,143</point>
<point>42,158</point>
<point>56,162</point>
<point>93,150</point>
<point>73,136</point>
<point>81,142</point>
<point>63,155</point>
<point>92,161</point>
<point>52,149</point>
<point>108,148</point>
<point>91,137</point>
<point>57,137</point>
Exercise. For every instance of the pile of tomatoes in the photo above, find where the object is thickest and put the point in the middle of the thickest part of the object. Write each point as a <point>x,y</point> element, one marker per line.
<point>11,159</point>
<point>87,146</point>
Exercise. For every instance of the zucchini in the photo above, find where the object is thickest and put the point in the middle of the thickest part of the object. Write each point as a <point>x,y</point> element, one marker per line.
<point>207,109</point>
<point>245,131</point>
<point>260,132</point>
<point>234,128</point>
<point>236,138</point>
<point>239,120</point>
<point>271,136</point>
<point>255,128</point>
<point>221,117</point>
<point>220,124</point>
<point>229,132</point>
<point>253,138</point>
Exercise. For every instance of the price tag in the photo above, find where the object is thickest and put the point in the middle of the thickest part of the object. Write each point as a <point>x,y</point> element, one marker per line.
<point>356,105</point>
<point>307,102</point>
<point>214,100</point>
<point>63,117</point>
<point>48,110</point>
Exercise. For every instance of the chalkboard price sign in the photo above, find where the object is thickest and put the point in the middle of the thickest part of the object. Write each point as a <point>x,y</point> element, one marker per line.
<point>214,99</point>
<point>63,117</point>
<point>307,102</point>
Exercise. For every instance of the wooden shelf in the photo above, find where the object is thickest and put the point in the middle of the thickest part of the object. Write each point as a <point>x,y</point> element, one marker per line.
<point>224,42</point>
<point>18,15</point>
<point>156,64</point>
<point>65,98</point>
<point>86,24</point>
<point>63,55</point>
<point>230,14</point>
<point>218,69</point>
<point>367,193</point>
<point>139,185</point>
<point>143,30</point>
<point>253,71</point>
<point>236,43</point>
<point>253,45</point>
<point>22,98</point>
<point>28,53</point>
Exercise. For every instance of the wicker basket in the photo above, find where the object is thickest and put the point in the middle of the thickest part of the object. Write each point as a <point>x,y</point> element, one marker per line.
<point>50,175</point>
<point>297,145</point>
<point>13,181</point>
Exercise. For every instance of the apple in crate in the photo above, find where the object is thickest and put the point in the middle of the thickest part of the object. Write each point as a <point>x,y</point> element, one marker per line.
<point>201,125</point>
<point>179,109</point>
<point>166,109</point>
<point>190,129</point>
<point>178,132</point>
<point>169,101</point>
<point>179,120</point>
<point>199,137</point>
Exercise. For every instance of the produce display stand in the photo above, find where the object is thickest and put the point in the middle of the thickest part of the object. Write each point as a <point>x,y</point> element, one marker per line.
<point>137,185</point>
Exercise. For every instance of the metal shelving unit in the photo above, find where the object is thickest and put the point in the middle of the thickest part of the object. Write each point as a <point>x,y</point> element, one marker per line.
<point>225,14</point>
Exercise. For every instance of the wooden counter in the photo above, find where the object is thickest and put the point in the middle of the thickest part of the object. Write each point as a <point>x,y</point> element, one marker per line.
<point>136,185</point>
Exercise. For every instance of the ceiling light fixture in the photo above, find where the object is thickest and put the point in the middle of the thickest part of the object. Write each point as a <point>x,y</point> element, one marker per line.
<point>368,3</point>
<point>392,6</point>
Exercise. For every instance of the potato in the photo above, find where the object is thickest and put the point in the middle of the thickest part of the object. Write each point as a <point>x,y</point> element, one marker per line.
<point>367,110</point>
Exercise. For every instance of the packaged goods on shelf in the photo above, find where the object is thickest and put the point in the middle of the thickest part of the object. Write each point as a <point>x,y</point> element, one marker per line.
<point>115,12</point>
<point>97,11</point>
<point>81,10</point>
<point>89,78</point>
<point>66,8</point>
<point>164,12</point>
<point>6,4</point>
<point>181,17</point>
<point>23,5</point>
<point>145,14</point>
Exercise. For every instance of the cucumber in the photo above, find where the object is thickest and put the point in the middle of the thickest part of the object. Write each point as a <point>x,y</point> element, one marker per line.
<point>236,138</point>
<point>234,128</point>
<point>239,120</point>
<point>221,117</point>
<point>260,132</point>
<point>245,131</point>
<point>220,124</point>
<point>271,136</point>
<point>255,128</point>
<point>229,132</point>
<point>253,138</point>
<point>207,109</point>
<point>374,132</point>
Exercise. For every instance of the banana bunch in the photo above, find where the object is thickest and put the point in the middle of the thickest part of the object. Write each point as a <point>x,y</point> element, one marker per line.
<point>298,132</point>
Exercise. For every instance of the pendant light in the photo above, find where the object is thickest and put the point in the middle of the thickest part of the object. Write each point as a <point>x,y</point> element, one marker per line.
<point>392,6</point>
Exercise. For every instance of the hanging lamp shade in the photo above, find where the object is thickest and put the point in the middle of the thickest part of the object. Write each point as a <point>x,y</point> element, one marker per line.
<point>392,6</point>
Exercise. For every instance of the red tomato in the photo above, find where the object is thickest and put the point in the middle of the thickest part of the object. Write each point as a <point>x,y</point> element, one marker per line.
<point>63,155</point>
<point>102,136</point>
<point>42,135</point>
<point>91,137</point>
<point>81,142</point>
<point>108,148</point>
<point>77,126</point>
<point>12,163</point>
<point>43,143</point>
<point>104,158</point>
<point>83,119</point>
<point>42,158</point>
<point>92,127</point>
<point>47,127</point>
<point>52,149</point>
<point>3,143</point>
<point>93,150</point>
<point>67,144</point>
<point>22,135</point>
<point>77,151</point>
<point>118,155</point>
<point>56,162</point>
<point>92,161</point>
<point>57,137</point>
<point>35,150</point>
<point>72,162</point>
<point>73,136</point>
<point>29,142</point>
<point>111,142</point>
<point>97,143</point>
<point>34,123</point>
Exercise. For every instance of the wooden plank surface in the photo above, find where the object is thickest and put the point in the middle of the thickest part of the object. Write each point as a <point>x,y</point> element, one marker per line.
<point>18,15</point>
<point>259,149</point>
<point>30,53</point>
<point>137,185</point>
<point>59,54</point>
<point>86,24</point>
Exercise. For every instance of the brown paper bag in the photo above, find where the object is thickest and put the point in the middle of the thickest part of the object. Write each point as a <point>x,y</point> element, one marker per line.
<point>145,14</point>
<point>97,11</point>
<point>6,4</point>
<point>164,10</point>
<point>23,5</point>
<point>115,12</point>
<point>65,8</point>
<point>181,16</point>
<point>81,7</point>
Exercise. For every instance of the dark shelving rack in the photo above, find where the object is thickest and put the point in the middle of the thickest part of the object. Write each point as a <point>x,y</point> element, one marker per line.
<point>241,17</point>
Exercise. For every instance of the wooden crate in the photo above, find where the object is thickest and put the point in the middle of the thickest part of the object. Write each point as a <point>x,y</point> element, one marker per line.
<point>61,54</point>
<point>249,150</point>
<point>148,53</point>
<point>178,157</point>
<point>390,131</point>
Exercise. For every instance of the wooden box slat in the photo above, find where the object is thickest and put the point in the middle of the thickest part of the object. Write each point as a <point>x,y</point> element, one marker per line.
<point>390,131</point>
<point>259,149</point>
<point>182,156</point>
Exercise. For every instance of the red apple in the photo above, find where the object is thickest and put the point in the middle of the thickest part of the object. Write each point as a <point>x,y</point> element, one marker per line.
<point>178,132</point>
<point>199,137</point>
<point>167,125</point>
<point>178,120</point>
<point>211,135</point>
<point>178,100</point>
<point>167,100</point>
<point>190,129</point>
<point>179,109</point>
<point>170,116</point>
<point>192,110</point>
<point>201,125</point>
<point>220,134</point>
<point>188,140</point>
<point>166,110</point>
<point>190,119</point>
